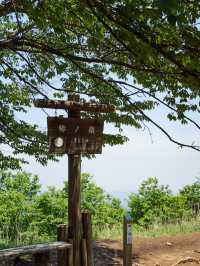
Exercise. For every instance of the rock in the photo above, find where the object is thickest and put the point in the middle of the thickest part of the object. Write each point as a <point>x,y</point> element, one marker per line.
<point>169,244</point>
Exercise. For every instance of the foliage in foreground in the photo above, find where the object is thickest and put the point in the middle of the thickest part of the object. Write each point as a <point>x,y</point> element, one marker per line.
<point>28,215</point>
<point>136,54</point>
<point>155,203</point>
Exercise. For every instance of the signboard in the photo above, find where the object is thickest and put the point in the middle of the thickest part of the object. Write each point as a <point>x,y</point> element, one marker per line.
<point>129,234</point>
<point>75,135</point>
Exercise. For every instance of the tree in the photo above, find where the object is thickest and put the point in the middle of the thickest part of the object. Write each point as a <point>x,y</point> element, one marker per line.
<point>105,209</point>
<point>147,205</point>
<point>192,195</point>
<point>28,215</point>
<point>50,210</point>
<point>155,203</point>
<point>136,55</point>
<point>17,191</point>
<point>22,182</point>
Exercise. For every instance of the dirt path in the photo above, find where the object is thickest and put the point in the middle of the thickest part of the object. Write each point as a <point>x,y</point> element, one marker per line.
<point>181,250</point>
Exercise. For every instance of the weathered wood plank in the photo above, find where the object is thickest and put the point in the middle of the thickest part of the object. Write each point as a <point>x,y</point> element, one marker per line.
<point>74,106</point>
<point>31,250</point>
<point>75,135</point>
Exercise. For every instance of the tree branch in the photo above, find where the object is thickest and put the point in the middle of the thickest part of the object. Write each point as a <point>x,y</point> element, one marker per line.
<point>157,99</point>
<point>7,7</point>
<point>34,88</point>
<point>121,95</point>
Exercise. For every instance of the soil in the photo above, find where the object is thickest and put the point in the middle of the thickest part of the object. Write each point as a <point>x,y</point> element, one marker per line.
<point>180,250</point>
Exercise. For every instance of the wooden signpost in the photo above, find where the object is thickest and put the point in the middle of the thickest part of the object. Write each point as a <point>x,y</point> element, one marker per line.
<point>75,136</point>
<point>127,241</point>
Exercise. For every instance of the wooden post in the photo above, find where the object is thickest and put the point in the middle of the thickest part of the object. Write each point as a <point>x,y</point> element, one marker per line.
<point>87,235</point>
<point>64,255</point>
<point>74,197</point>
<point>62,232</point>
<point>70,254</point>
<point>87,141</point>
<point>127,241</point>
<point>42,259</point>
<point>84,253</point>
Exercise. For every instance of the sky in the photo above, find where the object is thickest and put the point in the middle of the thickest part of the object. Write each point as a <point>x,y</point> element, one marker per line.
<point>121,169</point>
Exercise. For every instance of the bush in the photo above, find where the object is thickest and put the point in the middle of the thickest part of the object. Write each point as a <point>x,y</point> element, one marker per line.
<point>155,203</point>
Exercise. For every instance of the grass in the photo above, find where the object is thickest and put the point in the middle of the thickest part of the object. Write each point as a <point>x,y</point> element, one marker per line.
<point>115,233</point>
<point>183,227</point>
<point>28,240</point>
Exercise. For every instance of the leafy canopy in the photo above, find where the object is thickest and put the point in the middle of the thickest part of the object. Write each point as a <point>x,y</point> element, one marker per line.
<point>135,54</point>
<point>155,203</point>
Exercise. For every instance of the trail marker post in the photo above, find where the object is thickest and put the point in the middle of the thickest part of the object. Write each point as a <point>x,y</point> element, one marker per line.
<point>75,136</point>
<point>127,241</point>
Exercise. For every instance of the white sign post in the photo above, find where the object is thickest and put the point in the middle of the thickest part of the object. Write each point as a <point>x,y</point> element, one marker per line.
<point>127,241</point>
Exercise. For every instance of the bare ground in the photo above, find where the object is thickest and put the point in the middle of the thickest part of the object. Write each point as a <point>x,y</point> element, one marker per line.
<point>180,250</point>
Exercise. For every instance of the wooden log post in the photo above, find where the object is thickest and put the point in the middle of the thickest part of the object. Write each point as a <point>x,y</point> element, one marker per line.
<point>64,255</point>
<point>84,253</point>
<point>127,241</point>
<point>74,197</point>
<point>62,232</point>
<point>42,259</point>
<point>85,136</point>
<point>87,236</point>
<point>74,207</point>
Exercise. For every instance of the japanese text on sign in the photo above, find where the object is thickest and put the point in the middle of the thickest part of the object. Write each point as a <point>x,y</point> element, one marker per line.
<point>75,136</point>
